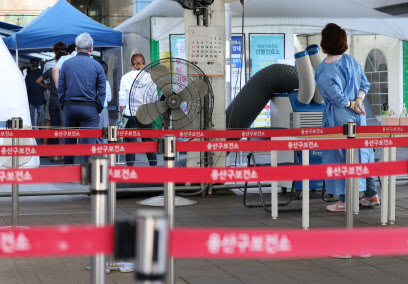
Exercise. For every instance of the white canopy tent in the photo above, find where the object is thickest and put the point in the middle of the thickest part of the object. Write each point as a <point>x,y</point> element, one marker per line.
<point>357,16</point>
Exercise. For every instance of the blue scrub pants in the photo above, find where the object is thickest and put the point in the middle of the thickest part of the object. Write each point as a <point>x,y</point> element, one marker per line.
<point>79,116</point>
<point>370,191</point>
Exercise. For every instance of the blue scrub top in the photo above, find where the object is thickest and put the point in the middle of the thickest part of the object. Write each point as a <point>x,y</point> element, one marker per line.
<point>339,82</point>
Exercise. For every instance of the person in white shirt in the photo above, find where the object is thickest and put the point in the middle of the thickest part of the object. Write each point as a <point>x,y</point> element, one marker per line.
<point>104,117</point>
<point>137,63</point>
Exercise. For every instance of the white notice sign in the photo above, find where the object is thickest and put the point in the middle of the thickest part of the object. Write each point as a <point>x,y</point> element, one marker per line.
<point>207,49</point>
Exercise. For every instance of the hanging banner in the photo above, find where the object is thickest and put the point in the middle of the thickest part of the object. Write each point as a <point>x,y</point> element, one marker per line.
<point>265,50</point>
<point>178,46</point>
<point>237,65</point>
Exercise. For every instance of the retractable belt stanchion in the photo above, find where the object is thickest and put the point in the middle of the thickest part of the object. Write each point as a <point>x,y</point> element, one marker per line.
<point>151,246</point>
<point>384,190</point>
<point>356,183</point>
<point>350,131</point>
<point>15,123</point>
<point>110,133</point>
<point>95,173</point>
<point>305,193</point>
<point>274,188</point>
<point>392,185</point>
<point>169,156</point>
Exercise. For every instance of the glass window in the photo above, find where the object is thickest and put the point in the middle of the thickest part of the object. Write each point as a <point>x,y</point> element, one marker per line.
<point>377,74</point>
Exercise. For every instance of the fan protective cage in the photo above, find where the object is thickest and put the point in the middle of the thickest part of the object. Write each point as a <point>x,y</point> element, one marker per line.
<point>172,93</point>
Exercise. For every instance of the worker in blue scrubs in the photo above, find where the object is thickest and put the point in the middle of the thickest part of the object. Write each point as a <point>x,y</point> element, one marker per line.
<point>343,86</point>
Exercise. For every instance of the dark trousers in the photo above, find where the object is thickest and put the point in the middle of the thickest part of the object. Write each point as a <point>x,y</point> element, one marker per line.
<point>79,116</point>
<point>55,115</point>
<point>134,123</point>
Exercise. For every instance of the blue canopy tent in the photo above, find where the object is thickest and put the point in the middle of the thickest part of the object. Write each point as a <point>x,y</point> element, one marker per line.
<point>7,29</point>
<point>61,22</point>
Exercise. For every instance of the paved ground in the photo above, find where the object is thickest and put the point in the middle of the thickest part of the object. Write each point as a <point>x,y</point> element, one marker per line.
<point>219,210</point>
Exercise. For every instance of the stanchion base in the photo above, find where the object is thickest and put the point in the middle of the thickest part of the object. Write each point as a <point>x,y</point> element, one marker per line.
<point>89,268</point>
<point>342,256</point>
<point>159,201</point>
<point>122,267</point>
<point>350,256</point>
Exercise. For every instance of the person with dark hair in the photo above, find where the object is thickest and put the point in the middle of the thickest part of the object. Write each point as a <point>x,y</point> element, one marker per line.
<point>81,92</point>
<point>71,52</point>
<point>59,49</point>
<point>137,63</point>
<point>35,92</point>
<point>343,86</point>
<point>71,48</point>
<point>53,101</point>
<point>59,46</point>
<point>104,117</point>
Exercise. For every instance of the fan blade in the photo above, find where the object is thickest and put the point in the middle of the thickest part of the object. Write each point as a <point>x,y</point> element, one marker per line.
<point>161,77</point>
<point>148,113</point>
<point>197,89</point>
<point>180,119</point>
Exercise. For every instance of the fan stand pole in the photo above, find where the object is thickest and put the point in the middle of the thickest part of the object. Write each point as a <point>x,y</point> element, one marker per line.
<point>169,157</point>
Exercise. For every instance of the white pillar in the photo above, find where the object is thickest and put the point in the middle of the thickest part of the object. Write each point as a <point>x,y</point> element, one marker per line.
<point>217,19</point>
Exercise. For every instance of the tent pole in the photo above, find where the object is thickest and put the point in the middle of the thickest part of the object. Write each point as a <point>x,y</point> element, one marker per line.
<point>17,58</point>
<point>121,61</point>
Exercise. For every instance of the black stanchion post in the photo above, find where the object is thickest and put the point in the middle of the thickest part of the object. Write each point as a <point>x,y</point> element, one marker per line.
<point>169,157</point>
<point>151,246</point>
<point>15,123</point>
<point>350,131</point>
<point>110,133</point>
<point>98,179</point>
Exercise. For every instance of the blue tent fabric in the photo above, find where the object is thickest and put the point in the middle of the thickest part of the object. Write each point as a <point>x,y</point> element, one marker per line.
<point>62,22</point>
<point>7,29</point>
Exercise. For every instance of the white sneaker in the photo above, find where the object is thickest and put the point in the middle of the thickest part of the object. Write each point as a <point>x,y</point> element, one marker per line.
<point>339,206</point>
<point>372,201</point>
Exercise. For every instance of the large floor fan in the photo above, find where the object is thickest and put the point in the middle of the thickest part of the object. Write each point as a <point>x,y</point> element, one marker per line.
<point>173,91</point>
<point>177,94</point>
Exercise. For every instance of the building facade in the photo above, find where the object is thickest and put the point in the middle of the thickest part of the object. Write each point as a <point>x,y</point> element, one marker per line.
<point>108,12</point>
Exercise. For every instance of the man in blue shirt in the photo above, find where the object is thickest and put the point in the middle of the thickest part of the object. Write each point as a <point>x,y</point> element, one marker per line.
<point>81,90</point>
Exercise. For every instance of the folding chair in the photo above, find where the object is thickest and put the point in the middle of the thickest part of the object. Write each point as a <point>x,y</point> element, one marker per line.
<point>251,157</point>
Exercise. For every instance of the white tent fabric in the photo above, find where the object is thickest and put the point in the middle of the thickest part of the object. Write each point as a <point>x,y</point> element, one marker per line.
<point>14,103</point>
<point>391,27</point>
<point>312,8</point>
<point>140,23</point>
<point>307,16</point>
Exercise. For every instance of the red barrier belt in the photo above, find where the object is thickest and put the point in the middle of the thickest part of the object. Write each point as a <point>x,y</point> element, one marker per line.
<point>274,145</point>
<point>79,149</point>
<point>56,241</point>
<point>41,175</point>
<point>213,175</point>
<point>72,133</point>
<point>190,134</point>
<point>382,129</point>
<point>290,243</point>
<point>252,174</point>
<point>202,146</point>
